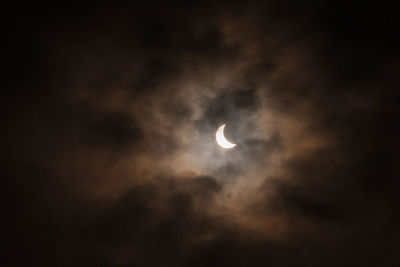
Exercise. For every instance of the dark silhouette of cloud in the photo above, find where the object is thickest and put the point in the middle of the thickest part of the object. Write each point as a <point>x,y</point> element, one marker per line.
<point>110,111</point>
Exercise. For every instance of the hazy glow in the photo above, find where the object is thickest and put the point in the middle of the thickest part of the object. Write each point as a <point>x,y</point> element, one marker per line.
<point>221,140</point>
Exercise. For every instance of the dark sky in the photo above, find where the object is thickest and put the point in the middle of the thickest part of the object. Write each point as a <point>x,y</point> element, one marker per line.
<point>110,112</point>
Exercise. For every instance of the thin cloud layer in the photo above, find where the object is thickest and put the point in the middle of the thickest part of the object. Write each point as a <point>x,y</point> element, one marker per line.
<point>109,150</point>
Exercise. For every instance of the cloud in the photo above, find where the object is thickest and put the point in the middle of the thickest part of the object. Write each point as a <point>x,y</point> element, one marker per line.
<point>109,152</point>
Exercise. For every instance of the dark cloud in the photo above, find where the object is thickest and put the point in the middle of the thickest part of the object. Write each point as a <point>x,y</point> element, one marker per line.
<point>117,131</point>
<point>109,157</point>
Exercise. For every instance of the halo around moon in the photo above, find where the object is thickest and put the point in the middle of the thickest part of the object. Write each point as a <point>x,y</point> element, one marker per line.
<point>221,140</point>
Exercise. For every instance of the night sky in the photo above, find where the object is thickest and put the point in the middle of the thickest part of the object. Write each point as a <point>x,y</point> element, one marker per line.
<point>110,111</point>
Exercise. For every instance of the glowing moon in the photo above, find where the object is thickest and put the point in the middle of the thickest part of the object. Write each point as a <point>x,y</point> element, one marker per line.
<point>221,140</point>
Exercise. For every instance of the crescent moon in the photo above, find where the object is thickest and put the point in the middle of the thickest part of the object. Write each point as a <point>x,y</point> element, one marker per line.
<point>221,140</point>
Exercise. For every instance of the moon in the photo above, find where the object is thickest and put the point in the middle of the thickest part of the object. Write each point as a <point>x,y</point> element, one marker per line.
<point>221,140</point>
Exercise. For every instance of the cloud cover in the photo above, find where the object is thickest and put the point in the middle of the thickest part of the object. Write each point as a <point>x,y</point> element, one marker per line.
<point>109,153</point>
